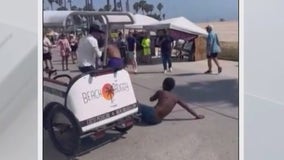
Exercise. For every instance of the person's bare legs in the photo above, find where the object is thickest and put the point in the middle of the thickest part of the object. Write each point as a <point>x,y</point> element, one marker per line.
<point>134,64</point>
<point>51,65</point>
<point>66,62</point>
<point>62,62</point>
<point>217,64</point>
<point>209,62</point>
<point>46,64</point>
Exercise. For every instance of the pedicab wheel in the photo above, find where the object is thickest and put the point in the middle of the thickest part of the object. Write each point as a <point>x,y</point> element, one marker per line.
<point>125,126</point>
<point>64,131</point>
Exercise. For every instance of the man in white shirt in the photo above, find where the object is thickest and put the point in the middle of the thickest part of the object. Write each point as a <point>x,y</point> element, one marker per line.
<point>88,49</point>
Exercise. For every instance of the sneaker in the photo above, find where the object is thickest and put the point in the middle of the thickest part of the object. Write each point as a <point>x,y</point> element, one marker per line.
<point>171,69</point>
<point>208,72</point>
<point>135,71</point>
<point>165,71</point>
<point>219,69</point>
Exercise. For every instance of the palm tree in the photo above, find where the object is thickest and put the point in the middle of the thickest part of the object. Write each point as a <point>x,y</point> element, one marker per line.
<point>74,8</point>
<point>127,6</point>
<point>51,3</point>
<point>160,6</point>
<point>150,8</point>
<point>70,3</point>
<point>121,6</point>
<point>107,7</point>
<point>65,3</point>
<point>136,7</point>
<point>142,5</point>
<point>115,5</point>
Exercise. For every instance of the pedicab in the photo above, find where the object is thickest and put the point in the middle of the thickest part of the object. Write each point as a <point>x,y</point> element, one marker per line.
<point>75,107</point>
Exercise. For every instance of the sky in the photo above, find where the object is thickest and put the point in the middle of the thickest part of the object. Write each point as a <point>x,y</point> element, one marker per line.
<point>194,10</point>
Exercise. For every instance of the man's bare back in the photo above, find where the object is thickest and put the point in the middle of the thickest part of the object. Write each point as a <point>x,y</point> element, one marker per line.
<point>166,102</point>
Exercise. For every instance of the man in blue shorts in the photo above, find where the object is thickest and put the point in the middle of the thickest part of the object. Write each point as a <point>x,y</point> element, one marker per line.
<point>213,48</point>
<point>166,102</point>
<point>131,43</point>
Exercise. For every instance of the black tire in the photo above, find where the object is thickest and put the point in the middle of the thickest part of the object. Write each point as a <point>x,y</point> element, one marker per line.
<point>64,131</point>
<point>123,129</point>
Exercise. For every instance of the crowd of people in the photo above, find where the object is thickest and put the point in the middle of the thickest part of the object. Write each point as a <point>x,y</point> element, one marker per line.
<point>88,51</point>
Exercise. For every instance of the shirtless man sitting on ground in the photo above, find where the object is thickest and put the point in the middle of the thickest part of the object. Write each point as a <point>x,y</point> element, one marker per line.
<point>166,103</point>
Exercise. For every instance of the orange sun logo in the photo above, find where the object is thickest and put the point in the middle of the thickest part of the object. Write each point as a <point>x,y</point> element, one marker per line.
<point>108,91</point>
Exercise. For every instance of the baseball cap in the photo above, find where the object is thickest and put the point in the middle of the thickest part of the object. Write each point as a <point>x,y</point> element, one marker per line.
<point>209,26</point>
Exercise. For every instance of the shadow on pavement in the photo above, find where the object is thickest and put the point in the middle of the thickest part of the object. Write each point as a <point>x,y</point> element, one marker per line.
<point>179,119</point>
<point>154,72</point>
<point>188,74</point>
<point>225,91</point>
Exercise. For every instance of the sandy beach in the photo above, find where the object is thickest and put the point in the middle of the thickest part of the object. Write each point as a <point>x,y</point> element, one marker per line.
<point>227,31</point>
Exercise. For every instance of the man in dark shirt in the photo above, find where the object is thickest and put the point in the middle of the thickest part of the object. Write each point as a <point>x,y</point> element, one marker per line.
<point>166,50</point>
<point>131,43</point>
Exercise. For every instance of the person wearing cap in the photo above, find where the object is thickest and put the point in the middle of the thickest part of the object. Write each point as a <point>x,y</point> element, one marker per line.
<point>88,50</point>
<point>213,48</point>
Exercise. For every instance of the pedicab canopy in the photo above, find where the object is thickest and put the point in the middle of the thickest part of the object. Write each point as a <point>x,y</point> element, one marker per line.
<point>65,18</point>
<point>73,20</point>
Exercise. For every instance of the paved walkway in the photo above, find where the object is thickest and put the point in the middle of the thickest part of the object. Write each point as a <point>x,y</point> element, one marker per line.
<point>179,136</point>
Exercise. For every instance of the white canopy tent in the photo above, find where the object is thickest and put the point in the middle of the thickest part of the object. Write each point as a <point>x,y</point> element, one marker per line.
<point>140,21</point>
<point>180,24</point>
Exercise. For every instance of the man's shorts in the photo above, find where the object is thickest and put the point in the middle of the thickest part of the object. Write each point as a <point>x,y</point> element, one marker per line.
<point>47,56</point>
<point>148,114</point>
<point>212,55</point>
<point>131,55</point>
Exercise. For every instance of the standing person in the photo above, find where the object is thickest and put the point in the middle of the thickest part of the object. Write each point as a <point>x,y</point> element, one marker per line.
<point>88,49</point>
<point>166,103</point>
<point>114,58</point>
<point>146,44</point>
<point>47,57</point>
<point>139,48</point>
<point>165,42</point>
<point>74,45</point>
<point>65,50</point>
<point>122,45</point>
<point>213,48</point>
<point>131,43</point>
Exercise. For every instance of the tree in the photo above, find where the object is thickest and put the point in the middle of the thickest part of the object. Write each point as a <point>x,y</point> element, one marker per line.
<point>164,16</point>
<point>127,6</point>
<point>136,7</point>
<point>119,6</point>
<point>160,6</point>
<point>156,16</point>
<point>107,7</point>
<point>62,8</point>
<point>51,3</point>
<point>142,5</point>
<point>115,5</point>
<point>70,4</point>
<point>74,8</point>
<point>149,8</point>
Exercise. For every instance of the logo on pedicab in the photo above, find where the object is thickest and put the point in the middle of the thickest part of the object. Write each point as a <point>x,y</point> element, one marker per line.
<point>108,91</point>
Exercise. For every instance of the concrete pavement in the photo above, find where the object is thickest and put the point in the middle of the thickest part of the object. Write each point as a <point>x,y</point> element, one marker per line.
<point>179,136</point>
